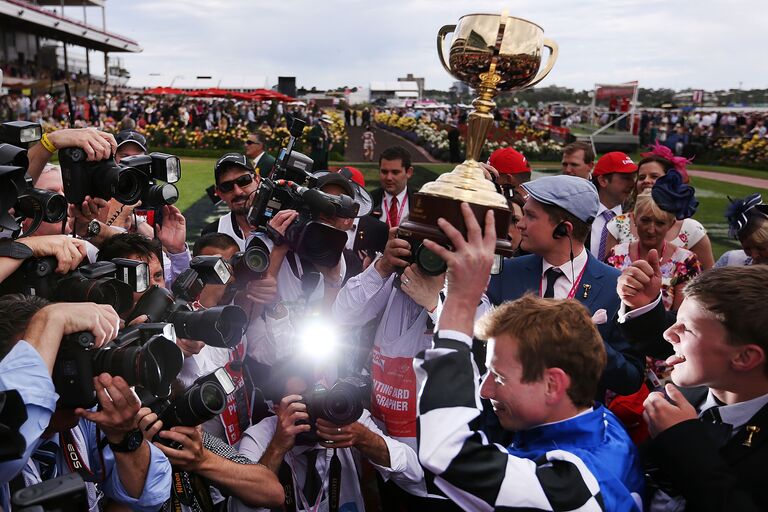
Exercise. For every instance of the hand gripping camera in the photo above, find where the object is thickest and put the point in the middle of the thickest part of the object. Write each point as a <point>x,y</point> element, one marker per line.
<point>342,405</point>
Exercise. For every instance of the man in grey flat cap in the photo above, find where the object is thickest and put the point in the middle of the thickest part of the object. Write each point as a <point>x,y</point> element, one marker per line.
<point>556,221</point>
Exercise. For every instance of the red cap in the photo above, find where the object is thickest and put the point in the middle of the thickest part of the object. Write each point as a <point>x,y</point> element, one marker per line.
<point>353,174</point>
<point>614,162</point>
<point>509,161</point>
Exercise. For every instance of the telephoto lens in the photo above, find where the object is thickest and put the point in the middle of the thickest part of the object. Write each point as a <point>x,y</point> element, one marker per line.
<point>50,206</point>
<point>198,404</point>
<point>157,196</point>
<point>219,326</point>
<point>153,365</point>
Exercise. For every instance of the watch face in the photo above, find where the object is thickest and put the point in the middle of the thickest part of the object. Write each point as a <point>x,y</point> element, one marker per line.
<point>134,440</point>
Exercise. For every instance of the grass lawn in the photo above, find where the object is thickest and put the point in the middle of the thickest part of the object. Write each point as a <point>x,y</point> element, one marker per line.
<point>197,175</point>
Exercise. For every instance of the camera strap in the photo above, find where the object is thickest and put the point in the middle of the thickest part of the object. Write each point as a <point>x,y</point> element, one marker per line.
<point>75,460</point>
<point>189,490</point>
<point>333,472</point>
<point>236,415</point>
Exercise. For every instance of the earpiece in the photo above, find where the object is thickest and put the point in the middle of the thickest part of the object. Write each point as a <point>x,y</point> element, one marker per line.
<point>561,230</point>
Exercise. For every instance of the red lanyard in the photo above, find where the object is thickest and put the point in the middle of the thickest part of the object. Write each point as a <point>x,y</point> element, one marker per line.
<point>399,214</point>
<point>571,293</point>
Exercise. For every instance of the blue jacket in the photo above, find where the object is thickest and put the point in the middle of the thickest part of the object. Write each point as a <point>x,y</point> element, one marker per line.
<point>600,441</point>
<point>623,372</point>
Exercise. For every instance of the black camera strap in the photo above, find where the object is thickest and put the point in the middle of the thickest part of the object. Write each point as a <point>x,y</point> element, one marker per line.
<point>189,490</point>
<point>334,483</point>
<point>286,480</point>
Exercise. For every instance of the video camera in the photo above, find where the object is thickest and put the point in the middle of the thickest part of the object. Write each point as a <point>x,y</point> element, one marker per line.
<point>16,189</point>
<point>104,282</point>
<point>144,355</point>
<point>219,326</point>
<point>342,404</point>
<point>290,187</point>
<point>203,400</point>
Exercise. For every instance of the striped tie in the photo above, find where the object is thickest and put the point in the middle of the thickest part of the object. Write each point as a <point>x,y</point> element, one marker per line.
<point>607,216</point>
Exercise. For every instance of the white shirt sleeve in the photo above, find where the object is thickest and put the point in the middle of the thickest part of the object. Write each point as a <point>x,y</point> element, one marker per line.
<point>624,315</point>
<point>363,298</point>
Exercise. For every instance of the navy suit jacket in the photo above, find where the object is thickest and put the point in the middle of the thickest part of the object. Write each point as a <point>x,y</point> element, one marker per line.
<point>624,370</point>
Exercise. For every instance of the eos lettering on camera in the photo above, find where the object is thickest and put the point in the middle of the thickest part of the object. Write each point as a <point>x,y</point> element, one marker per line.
<point>342,404</point>
<point>144,355</point>
<point>219,326</point>
<point>156,167</point>
<point>203,400</point>
<point>104,282</point>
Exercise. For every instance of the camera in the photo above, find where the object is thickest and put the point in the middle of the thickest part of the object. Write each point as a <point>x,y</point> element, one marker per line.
<point>66,493</point>
<point>250,264</point>
<point>156,167</point>
<point>105,178</point>
<point>290,187</point>
<point>427,261</point>
<point>219,326</point>
<point>203,400</point>
<point>104,282</point>
<point>342,404</point>
<point>13,414</point>
<point>144,355</point>
<point>16,190</point>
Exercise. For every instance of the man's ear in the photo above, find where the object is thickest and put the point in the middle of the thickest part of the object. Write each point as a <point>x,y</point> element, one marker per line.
<point>603,180</point>
<point>749,357</point>
<point>409,172</point>
<point>557,382</point>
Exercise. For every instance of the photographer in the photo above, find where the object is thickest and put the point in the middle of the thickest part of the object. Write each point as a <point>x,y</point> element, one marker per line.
<point>235,180</point>
<point>306,470</point>
<point>129,472</point>
<point>210,458</point>
<point>406,301</point>
<point>69,252</point>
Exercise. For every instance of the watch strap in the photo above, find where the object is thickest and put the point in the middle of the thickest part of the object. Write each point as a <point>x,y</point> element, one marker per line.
<point>130,443</point>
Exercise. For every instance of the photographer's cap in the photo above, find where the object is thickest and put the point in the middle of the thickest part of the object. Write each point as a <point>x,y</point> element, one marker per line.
<point>575,195</point>
<point>353,174</point>
<point>230,159</point>
<point>126,136</point>
<point>614,162</point>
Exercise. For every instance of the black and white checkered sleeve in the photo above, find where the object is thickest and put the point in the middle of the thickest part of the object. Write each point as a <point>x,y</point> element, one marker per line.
<point>472,472</point>
<point>222,449</point>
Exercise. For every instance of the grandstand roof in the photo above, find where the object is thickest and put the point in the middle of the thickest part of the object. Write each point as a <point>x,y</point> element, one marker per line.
<point>25,16</point>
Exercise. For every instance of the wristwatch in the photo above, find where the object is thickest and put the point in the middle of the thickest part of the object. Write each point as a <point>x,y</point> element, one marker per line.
<point>130,443</point>
<point>16,250</point>
<point>94,228</point>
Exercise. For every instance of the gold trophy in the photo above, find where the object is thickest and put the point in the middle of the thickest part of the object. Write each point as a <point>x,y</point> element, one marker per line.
<point>489,52</point>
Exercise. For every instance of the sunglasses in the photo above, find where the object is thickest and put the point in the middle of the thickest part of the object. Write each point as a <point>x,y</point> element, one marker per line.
<point>241,181</point>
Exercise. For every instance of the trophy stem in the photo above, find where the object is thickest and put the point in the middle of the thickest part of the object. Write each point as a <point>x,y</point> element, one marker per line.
<point>481,118</point>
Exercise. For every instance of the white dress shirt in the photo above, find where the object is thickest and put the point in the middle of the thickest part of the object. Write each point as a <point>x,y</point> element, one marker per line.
<point>565,282</point>
<point>404,467</point>
<point>597,228</point>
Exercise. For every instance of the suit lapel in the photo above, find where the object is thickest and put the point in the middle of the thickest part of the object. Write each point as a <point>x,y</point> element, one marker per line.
<point>734,450</point>
<point>591,284</point>
<point>531,278</point>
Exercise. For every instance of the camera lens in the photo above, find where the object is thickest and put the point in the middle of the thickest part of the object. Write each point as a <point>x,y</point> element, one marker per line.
<point>219,326</point>
<point>196,405</point>
<point>52,205</point>
<point>256,260</point>
<point>319,243</point>
<point>342,404</point>
<point>159,195</point>
<point>429,262</point>
<point>55,208</point>
<point>107,290</point>
<point>127,190</point>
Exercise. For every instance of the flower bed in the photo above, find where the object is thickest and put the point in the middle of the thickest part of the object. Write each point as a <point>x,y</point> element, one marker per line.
<point>173,135</point>
<point>749,152</point>
<point>434,138</point>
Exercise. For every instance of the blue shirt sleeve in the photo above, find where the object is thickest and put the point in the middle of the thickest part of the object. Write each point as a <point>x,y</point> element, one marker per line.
<point>24,370</point>
<point>157,486</point>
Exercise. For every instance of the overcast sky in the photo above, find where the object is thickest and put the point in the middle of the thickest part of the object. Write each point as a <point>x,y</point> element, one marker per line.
<point>710,44</point>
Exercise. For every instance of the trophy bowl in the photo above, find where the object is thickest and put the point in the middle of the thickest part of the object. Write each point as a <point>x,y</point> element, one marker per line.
<point>514,44</point>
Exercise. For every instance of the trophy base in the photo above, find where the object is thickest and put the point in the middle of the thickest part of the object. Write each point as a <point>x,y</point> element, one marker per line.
<point>426,209</point>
